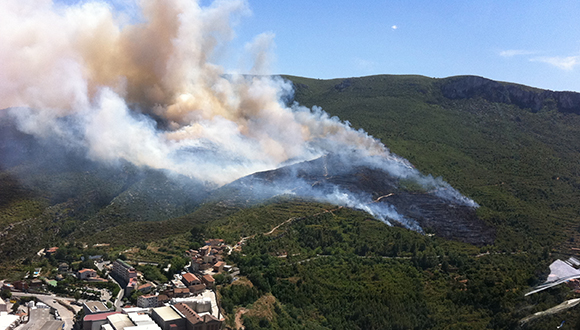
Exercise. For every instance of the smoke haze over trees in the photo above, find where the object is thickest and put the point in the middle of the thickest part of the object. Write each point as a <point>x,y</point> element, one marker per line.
<point>148,92</point>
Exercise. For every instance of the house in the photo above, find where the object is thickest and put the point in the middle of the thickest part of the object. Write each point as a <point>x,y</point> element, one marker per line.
<point>177,283</point>
<point>197,289</point>
<point>210,259</point>
<point>51,251</point>
<point>191,253</point>
<point>146,288</point>
<point>162,298</point>
<point>180,292</point>
<point>63,267</point>
<point>205,250</point>
<point>189,279</point>
<point>219,266</point>
<point>208,280</point>
<point>196,264</point>
<point>86,273</point>
<point>131,286</point>
<point>146,301</point>
<point>21,285</point>
<point>36,283</point>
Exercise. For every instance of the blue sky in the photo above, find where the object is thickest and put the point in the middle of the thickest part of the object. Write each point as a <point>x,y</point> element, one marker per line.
<point>535,43</point>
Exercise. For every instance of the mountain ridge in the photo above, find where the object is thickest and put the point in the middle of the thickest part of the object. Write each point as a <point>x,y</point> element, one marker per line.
<point>420,102</point>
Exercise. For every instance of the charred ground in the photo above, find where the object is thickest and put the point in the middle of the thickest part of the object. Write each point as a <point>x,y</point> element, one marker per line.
<point>323,176</point>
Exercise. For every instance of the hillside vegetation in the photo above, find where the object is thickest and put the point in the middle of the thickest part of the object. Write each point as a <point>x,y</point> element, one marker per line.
<point>310,265</point>
<point>519,164</point>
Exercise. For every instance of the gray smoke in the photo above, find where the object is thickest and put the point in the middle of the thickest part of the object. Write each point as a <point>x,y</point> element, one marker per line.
<point>149,92</point>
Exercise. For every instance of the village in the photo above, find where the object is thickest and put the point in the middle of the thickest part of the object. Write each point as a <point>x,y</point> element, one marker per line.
<point>117,296</point>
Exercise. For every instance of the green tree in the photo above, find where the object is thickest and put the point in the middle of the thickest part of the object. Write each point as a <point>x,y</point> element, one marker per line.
<point>15,307</point>
<point>6,294</point>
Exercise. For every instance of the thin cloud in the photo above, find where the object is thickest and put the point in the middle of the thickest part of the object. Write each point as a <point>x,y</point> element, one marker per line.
<point>516,52</point>
<point>365,65</point>
<point>567,63</point>
<point>394,27</point>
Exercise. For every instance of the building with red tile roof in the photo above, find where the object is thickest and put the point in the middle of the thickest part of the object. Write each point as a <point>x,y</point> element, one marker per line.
<point>145,288</point>
<point>219,266</point>
<point>197,289</point>
<point>189,279</point>
<point>51,250</point>
<point>86,273</point>
<point>208,280</point>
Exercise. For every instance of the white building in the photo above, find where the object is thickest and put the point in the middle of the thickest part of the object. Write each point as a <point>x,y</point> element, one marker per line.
<point>146,301</point>
<point>124,270</point>
<point>8,322</point>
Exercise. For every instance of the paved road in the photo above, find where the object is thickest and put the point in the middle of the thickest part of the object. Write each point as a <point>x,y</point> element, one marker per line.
<point>67,316</point>
<point>101,265</point>
<point>119,300</point>
<point>38,317</point>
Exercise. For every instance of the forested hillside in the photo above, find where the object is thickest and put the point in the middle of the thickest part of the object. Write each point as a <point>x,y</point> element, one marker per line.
<point>311,265</point>
<point>520,164</point>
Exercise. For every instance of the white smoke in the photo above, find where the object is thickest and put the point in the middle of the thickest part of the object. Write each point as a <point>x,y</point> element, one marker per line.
<point>149,92</point>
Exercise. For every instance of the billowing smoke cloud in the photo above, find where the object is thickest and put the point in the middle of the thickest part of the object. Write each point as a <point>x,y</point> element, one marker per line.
<point>149,92</point>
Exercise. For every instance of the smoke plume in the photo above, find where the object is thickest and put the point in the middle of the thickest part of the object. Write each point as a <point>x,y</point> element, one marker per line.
<point>148,91</point>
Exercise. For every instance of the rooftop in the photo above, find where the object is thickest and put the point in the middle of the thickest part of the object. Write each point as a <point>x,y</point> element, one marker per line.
<point>7,320</point>
<point>189,277</point>
<point>96,306</point>
<point>167,313</point>
<point>189,313</point>
<point>208,278</point>
<point>98,317</point>
<point>148,296</point>
<point>124,264</point>
<point>120,321</point>
<point>141,319</point>
<point>85,270</point>
<point>197,287</point>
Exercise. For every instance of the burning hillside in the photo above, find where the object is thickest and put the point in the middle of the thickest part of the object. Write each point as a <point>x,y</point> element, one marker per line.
<point>147,91</point>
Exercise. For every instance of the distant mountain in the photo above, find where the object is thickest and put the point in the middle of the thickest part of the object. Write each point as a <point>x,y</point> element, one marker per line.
<point>465,87</point>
